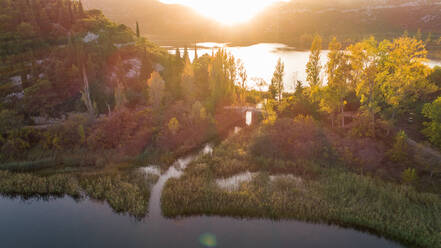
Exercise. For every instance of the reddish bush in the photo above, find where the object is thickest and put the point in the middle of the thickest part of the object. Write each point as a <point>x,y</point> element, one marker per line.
<point>300,138</point>
<point>129,131</point>
<point>193,129</point>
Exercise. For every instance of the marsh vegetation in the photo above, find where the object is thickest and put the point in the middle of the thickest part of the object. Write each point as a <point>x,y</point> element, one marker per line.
<point>324,191</point>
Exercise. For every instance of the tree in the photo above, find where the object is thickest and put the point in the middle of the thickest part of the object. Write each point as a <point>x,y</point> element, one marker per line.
<point>432,111</point>
<point>195,52</point>
<point>313,67</point>
<point>186,57</point>
<point>80,8</point>
<point>156,89</point>
<point>173,125</point>
<point>338,71</point>
<point>71,15</point>
<point>418,35</point>
<point>409,176</point>
<point>223,76</point>
<point>178,54</point>
<point>85,94</point>
<point>137,30</point>
<point>242,80</point>
<point>9,120</point>
<point>400,150</point>
<point>299,89</point>
<point>428,39</point>
<point>276,87</point>
<point>260,83</point>
<point>188,83</point>
<point>435,76</point>
<point>364,68</point>
<point>402,73</point>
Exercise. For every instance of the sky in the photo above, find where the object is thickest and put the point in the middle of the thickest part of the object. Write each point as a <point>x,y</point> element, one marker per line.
<point>227,11</point>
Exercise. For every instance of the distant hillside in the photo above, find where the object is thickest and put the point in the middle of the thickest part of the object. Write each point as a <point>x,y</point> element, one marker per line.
<point>283,22</point>
<point>158,19</point>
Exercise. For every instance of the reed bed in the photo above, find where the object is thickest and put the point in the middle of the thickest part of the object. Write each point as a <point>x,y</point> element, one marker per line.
<point>125,192</point>
<point>326,194</point>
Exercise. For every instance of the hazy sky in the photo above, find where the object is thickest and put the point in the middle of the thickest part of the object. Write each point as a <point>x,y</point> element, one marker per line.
<point>227,11</point>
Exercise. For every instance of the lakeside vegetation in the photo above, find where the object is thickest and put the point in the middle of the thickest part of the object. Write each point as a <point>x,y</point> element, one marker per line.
<point>315,189</point>
<point>337,153</point>
<point>125,192</point>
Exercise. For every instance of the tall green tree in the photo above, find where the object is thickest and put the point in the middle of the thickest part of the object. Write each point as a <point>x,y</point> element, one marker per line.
<point>338,71</point>
<point>137,29</point>
<point>276,87</point>
<point>313,67</point>
<point>195,52</point>
<point>156,89</point>
<point>178,54</point>
<point>186,57</point>
<point>80,8</point>
<point>223,76</point>
<point>188,85</point>
<point>364,69</point>
<point>243,76</point>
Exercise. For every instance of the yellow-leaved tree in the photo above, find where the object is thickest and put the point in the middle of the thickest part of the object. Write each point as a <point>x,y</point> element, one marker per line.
<point>402,73</point>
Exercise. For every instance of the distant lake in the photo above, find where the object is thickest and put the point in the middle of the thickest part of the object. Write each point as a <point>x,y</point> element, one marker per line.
<point>261,59</point>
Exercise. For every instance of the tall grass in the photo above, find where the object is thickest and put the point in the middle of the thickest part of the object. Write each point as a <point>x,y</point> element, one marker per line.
<point>326,194</point>
<point>28,185</point>
<point>125,192</point>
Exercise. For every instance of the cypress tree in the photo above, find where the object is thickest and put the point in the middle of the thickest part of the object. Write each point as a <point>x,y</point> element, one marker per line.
<point>80,8</point>
<point>71,17</point>
<point>186,57</point>
<point>196,52</point>
<point>137,29</point>
<point>178,54</point>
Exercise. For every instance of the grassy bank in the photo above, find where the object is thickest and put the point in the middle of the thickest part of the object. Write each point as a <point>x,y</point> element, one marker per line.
<point>315,192</point>
<point>126,192</point>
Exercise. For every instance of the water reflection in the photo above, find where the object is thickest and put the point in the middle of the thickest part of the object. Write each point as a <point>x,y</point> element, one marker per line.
<point>233,183</point>
<point>249,118</point>
<point>66,223</point>
<point>175,171</point>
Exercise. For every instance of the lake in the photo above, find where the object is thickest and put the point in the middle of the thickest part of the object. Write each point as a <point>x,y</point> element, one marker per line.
<point>64,222</point>
<point>261,59</point>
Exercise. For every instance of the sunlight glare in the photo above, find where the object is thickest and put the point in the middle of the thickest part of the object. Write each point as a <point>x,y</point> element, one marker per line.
<point>227,11</point>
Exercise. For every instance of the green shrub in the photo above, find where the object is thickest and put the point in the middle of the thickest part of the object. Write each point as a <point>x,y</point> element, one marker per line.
<point>409,176</point>
<point>400,150</point>
<point>18,142</point>
<point>9,120</point>
<point>432,111</point>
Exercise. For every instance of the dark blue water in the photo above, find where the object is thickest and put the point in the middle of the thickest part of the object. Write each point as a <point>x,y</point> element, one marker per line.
<point>64,222</point>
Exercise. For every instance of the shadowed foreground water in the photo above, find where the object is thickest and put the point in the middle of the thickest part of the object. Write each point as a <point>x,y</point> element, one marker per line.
<point>66,223</point>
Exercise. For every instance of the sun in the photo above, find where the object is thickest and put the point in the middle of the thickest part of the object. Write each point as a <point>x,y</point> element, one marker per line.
<point>228,12</point>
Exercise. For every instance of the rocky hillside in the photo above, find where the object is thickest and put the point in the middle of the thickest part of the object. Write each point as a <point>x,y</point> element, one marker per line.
<point>57,57</point>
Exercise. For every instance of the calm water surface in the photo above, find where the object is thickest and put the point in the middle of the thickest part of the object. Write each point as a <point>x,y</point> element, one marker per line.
<point>261,59</point>
<point>66,223</point>
<point>63,222</point>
